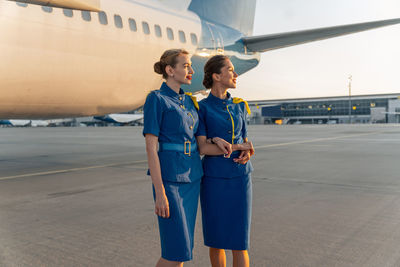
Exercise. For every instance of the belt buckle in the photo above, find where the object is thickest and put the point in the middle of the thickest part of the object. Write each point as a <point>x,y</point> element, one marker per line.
<point>184,148</point>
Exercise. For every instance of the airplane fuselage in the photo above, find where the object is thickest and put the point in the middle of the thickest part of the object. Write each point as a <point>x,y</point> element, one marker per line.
<point>52,64</point>
<point>57,63</point>
<point>64,64</point>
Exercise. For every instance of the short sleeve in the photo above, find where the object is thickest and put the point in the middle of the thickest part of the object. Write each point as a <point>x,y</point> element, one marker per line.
<point>152,115</point>
<point>244,127</point>
<point>202,129</point>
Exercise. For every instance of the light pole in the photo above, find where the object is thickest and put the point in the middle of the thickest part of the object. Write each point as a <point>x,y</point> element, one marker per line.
<point>350,80</point>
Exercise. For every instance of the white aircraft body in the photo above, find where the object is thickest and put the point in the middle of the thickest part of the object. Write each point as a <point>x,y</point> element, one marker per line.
<point>25,123</point>
<point>93,57</point>
<point>121,118</point>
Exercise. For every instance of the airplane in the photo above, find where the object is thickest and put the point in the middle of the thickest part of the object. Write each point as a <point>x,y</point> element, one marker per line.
<point>16,123</point>
<point>122,119</point>
<point>24,123</point>
<point>80,58</point>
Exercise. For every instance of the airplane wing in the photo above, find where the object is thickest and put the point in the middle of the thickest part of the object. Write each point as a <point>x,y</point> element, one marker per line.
<point>268,42</point>
<point>89,5</point>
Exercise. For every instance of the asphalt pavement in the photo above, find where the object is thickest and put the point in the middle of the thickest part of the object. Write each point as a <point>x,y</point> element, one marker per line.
<point>324,195</point>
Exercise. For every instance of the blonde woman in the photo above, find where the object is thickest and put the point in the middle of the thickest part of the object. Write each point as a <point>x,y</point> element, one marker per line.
<point>170,122</point>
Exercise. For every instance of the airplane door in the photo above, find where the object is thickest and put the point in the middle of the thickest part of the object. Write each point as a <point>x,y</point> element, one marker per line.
<point>217,41</point>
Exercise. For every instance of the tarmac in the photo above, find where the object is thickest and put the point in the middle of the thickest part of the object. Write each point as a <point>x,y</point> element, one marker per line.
<point>324,195</point>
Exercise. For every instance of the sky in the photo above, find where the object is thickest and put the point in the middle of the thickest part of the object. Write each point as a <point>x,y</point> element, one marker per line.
<point>322,68</point>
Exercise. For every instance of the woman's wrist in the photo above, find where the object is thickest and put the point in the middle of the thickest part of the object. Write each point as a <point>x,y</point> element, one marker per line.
<point>236,147</point>
<point>159,191</point>
<point>243,146</point>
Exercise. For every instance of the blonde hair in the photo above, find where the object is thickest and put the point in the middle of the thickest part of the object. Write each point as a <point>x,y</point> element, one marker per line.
<point>169,57</point>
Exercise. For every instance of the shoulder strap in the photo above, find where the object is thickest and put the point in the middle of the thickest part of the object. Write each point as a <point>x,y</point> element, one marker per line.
<point>237,100</point>
<point>194,99</point>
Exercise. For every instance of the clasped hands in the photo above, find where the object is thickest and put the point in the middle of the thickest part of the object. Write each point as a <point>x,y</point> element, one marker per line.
<point>247,149</point>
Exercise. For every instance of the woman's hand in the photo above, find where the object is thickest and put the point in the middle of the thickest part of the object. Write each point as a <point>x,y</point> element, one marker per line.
<point>245,146</point>
<point>244,157</point>
<point>162,205</point>
<point>225,146</point>
<point>252,151</point>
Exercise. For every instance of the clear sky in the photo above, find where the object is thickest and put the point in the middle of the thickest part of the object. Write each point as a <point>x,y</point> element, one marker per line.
<point>322,68</point>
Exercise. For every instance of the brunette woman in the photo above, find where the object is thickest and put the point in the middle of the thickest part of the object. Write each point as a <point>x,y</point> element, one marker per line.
<point>226,190</point>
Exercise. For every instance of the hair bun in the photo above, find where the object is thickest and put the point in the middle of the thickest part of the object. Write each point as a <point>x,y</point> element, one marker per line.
<point>157,67</point>
<point>207,81</point>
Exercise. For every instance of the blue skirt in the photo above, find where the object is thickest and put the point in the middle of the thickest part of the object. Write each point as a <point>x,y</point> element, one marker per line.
<point>177,231</point>
<point>226,212</point>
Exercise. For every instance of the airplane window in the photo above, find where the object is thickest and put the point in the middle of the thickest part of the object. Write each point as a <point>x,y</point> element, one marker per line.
<point>193,37</point>
<point>86,16</point>
<point>103,18</point>
<point>157,30</point>
<point>132,25</point>
<point>170,34</point>
<point>47,9</point>
<point>182,37</point>
<point>68,13</point>
<point>118,21</point>
<point>22,4</point>
<point>146,28</point>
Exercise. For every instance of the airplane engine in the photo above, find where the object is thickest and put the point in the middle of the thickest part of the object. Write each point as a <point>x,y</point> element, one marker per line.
<point>89,5</point>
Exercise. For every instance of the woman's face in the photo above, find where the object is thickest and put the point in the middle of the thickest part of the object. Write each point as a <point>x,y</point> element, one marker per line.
<point>182,72</point>
<point>227,77</point>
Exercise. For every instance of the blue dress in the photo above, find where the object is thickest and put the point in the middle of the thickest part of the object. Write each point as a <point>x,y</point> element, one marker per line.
<point>226,189</point>
<point>173,118</point>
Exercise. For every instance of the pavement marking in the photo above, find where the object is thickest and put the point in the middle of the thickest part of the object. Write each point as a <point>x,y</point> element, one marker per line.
<point>316,140</point>
<point>388,188</point>
<point>142,161</point>
<point>70,170</point>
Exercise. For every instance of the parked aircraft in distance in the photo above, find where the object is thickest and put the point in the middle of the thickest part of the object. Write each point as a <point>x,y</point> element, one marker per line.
<point>25,123</point>
<point>123,119</point>
<point>93,57</point>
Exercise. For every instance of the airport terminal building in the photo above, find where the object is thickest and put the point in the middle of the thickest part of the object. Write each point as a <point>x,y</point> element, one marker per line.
<point>328,110</point>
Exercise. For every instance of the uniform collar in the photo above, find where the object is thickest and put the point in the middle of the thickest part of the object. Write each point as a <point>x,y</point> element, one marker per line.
<point>167,90</point>
<point>217,100</point>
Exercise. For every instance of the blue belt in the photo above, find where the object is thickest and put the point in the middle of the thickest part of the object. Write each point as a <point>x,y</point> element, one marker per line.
<point>187,147</point>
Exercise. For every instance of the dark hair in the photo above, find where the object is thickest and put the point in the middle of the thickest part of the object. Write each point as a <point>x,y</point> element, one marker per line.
<point>213,65</point>
<point>168,58</point>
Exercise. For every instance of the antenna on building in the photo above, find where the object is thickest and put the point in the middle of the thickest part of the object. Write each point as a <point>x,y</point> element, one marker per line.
<point>350,80</point>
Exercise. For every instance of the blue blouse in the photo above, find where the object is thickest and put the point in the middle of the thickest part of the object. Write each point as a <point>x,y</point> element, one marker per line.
<point>174,119</point>
<point>227,120</point>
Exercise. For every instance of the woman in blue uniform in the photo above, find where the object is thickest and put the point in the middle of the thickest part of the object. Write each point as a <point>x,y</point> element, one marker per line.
<point>226,190</point>
<point>170,121</point>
